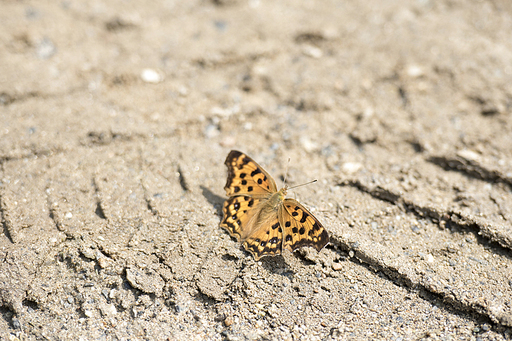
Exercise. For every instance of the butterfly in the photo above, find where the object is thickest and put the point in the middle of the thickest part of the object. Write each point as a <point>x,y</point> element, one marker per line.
<point>261,217</point>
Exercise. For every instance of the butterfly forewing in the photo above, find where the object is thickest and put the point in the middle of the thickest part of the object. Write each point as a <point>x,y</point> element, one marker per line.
<point>301,228</point>
<point>246,177</point>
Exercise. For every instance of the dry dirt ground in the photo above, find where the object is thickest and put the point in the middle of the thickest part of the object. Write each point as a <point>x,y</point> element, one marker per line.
<point>116,119</point>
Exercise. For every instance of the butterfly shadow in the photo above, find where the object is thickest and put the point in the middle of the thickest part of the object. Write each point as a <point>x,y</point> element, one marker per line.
<point>277,265</point>
<point>214,199</point>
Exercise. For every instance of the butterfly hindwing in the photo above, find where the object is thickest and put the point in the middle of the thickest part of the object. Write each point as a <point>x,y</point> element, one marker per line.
<point>301,228</point>
<point>266,241</point>
<point>246,177</point>
<point>237,212</point>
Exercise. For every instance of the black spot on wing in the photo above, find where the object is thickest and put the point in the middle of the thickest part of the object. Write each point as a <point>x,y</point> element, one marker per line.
<point>256,171</point>
<point>304,217</point>
<point>276,225</point>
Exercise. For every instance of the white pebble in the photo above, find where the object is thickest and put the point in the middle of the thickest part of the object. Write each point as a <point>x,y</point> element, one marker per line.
<point>351,167</point>
<point>312,51</point>
<point>414,71</point>
<point>151,76</point>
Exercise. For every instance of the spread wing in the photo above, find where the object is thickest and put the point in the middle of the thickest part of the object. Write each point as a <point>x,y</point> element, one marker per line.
<point>237,214</point>
<point>267,239</point>
<point>254,223</point>
<point>301,228</point>
<point>246,177</point>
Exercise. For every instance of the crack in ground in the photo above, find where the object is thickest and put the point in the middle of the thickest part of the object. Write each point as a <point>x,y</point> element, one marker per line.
<point>99,209</point>
<point>500,243</point>
<point>442,300</point>
<point>402,279</point>
<point>470,168</point>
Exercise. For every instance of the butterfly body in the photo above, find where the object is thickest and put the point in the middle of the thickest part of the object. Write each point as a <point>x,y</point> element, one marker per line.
<point>261,216</point>
<point>276,199</point>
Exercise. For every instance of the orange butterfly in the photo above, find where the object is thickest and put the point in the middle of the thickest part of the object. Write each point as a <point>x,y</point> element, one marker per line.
<point>260,216</point>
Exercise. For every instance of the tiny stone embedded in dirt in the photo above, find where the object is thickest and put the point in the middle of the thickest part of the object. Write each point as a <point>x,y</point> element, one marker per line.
<point>115,121</point>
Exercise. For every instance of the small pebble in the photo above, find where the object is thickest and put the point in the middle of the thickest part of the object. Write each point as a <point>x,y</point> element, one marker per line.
<point>109,310</point>
<point>228,321</point>
<point>151,76</point>
<point>16,323</point>
<point>312,51</point>
<point>336,266</point>
<point>307,144</point>
<point>414,71</point>
<point>211,130</point>
<point>45,49</point>
<point>104,262</point>
<point>351,167</point>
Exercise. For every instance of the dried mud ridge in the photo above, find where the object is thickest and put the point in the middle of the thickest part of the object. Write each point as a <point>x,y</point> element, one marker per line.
<point>471,168</point>
<point>485,233</point>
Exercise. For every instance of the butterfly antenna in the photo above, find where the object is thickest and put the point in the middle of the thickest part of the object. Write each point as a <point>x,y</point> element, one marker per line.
<point>286,174</point>
<point>307,183</point>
